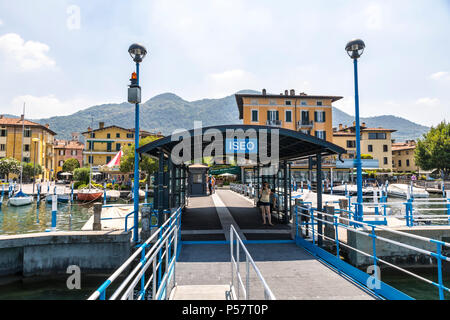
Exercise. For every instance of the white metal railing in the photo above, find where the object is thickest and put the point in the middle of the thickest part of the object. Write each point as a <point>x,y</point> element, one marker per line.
<point>369,230</point>
<point>159,256</point>
<point>268,295</point>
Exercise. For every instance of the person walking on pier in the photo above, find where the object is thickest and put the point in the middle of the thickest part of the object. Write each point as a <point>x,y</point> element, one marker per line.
<point>264,203</point>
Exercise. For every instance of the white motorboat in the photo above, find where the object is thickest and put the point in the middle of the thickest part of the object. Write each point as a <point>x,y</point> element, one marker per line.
<point>401,191</point>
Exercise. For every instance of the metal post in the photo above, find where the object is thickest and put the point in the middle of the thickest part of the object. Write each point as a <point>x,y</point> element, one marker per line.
<point>104,193</point>
<point>359,210</point>
<point>54,211</point>
<point>319,198</point>
<point>136,167</point>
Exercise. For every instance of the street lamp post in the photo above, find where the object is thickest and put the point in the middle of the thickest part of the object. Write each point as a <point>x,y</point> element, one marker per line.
<point>137,53</point>
<point>35,140</point>
<point>355,49</point>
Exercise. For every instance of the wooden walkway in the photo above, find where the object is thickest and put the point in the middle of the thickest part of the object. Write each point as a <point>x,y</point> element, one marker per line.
<point>290,271</point>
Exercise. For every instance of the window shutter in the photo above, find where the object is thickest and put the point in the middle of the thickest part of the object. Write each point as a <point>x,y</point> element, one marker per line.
<point>315,116</point>
<point>278,116</point>
<point>268,115</point>
<point>323,113</point>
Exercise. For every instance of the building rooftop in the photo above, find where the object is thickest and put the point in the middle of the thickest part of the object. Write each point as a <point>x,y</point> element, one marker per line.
<point>287,95</point>
<point>399,146</point>
<point>142,132</point>
<point>341,129</point>
<point>18,122</point>
<point>68,144</point>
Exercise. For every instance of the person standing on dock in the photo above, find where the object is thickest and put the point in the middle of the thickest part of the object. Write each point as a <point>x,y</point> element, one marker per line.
<point>264,203</point>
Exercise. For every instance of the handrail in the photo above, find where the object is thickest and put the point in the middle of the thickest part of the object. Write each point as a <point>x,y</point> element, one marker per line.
<point>268,295</point>
<point>170,227</point>
<point>370,233</point>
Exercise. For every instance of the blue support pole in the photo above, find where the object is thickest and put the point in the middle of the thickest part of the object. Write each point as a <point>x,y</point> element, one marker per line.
<point>38,194</point>
<point>136,167</point>
<point>448,206</point>
<point>54,211</point>
<point>71,194</point>
<point>359,210</point>
<point>3,191</point>
<point>146,193</point>
<point>104,193</point>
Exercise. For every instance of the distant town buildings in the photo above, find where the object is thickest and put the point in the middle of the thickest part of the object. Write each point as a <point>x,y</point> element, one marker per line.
<point>37,143</point>
<point>68,149</point>
<point>308,114</point>
<point>403,156</point>
<point>376,142</point>
<point>103,143</point>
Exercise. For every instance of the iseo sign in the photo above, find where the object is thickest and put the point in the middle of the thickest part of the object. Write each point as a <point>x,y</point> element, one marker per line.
<point>248,146</point>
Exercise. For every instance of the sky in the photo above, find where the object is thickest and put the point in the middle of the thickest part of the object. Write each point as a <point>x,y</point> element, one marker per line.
<point>62,56</point>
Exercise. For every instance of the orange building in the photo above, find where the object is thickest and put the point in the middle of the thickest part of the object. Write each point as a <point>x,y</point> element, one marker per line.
<point>68,149</point>
<point>308,114</point>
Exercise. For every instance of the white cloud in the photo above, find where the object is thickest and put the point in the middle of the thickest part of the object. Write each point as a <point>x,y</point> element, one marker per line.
<point>27,56</point>
<point>48,106</point>
<point>429,102</point>
<point>1,22</point>
<point>223,83</point>
<point>374,17</point>
<point>441,75</point>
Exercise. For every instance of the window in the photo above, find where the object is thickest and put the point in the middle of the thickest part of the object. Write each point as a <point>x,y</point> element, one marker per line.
<point>61,163</point>
<point>406,152</point>
<point>272,115</point>
<point>319,116</point>
<point>74,152</point>
<point>407,162</point>
<point>26,147</point>
<point>385,148</point>
<point>306,132</point>
<point>351,144</point>
<point>321,134</point>
<point>370,148</point>
<point>90,145</point>
<point>108,136</point>
<point>92,135</point>
<point>117,146</point>
<point>117,135</point>
<point>377,135</point>
<point>288,116</point>
<point>27,133</point>
<point>26,160</point>
<point>2,147</point>
<point>108,146</point>
<point>108,159</point>
<point>254,115</point>
<point>305,117</point>
<point>288,102</point>
<point>319,103</point>
<point>91,159</point>
<point>130,135</point>
<point>399,163</point>
<point>303,103</point>
<point>3,132</point>
<point>385,160</point>
<point>62,152</point>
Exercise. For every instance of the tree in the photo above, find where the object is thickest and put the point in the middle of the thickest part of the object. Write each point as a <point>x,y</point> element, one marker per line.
<point>82,175</point>
<point>9,165</point>
<point>30,170</point>
<point>433,150</point>
<point>70,165</point>
<point>146,164</point>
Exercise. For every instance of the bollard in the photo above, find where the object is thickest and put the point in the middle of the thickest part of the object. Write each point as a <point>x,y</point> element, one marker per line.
<point>71,193</point>
<point>329,226</point>
<point>343,205</point>
<point>104,193</point>
<point>97,226</point>
<point>146,219</point>
<point>54,211</point>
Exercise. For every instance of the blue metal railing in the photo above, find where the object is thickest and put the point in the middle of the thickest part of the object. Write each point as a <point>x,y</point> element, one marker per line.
<point>367,230</point>
<point>157,253</point>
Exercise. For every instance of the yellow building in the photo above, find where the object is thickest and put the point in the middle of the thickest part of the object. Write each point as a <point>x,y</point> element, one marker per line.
<point>37,143</point>
<point>102,144</point>
<point>376,142</point>
<point>308,114</point>
<point>403,156</point>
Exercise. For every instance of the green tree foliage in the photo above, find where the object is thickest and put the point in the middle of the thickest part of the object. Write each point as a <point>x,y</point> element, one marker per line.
<point>433,150</point>
<point>30,170</point>
<point>146,164</point>
<point>8,166</point>
<point>366,156</point>
<point>82,175</point>
<point>70,165</point>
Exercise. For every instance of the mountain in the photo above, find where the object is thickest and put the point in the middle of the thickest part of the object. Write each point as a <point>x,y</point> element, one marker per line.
<point>167,112</point>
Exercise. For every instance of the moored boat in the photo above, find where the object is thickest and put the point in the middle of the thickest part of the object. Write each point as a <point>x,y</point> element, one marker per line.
<point>89,194</point>
<point>20,199</point>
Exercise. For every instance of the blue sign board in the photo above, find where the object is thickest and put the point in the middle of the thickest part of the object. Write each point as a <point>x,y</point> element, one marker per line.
<point>247,146</point>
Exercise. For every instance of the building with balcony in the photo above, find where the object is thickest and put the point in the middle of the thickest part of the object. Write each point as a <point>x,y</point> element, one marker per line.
<point>37,143</point>
<point>403,156</point>
<point>376,142</point>
<point>308,114</point>
<point>103,143</point>
<point>68,149</point>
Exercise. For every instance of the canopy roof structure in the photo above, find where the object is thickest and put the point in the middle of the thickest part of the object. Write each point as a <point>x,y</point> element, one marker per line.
<point>293,145</point>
